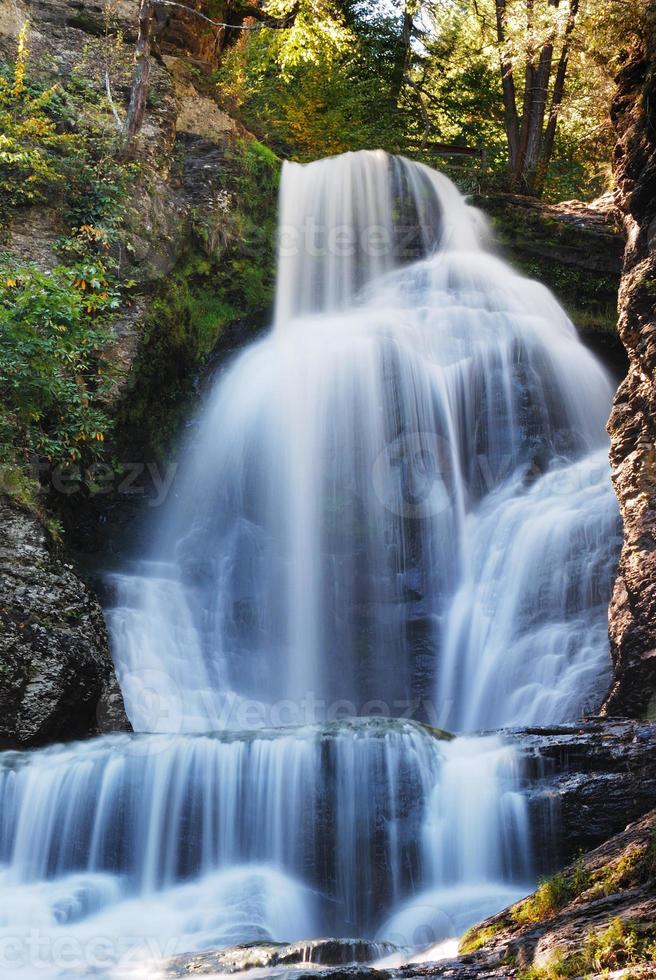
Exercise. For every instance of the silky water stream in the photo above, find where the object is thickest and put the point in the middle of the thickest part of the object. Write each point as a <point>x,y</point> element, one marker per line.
<point>393,515</point>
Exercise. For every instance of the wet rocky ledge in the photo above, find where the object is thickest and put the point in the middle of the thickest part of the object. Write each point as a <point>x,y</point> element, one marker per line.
<point>321,955</point>
<point>56,671</point>
<point>585,783</point>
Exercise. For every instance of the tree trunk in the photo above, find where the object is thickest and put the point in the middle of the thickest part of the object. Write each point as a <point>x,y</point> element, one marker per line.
<point>511,120</point>
<point>537,112</point>
<point>527,101</point>
<point>141,76</point>
<point>403,57</point>
<point>556,100</point>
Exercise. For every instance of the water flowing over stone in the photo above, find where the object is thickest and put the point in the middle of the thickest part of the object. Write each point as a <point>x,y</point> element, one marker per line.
<point>395,504</point>
<point>207,840</point>
<point>404,500</point>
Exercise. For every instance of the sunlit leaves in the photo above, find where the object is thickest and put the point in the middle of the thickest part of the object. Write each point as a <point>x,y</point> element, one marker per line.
<point>317,32</point>
<point>52,342</point>
<point>31,149</point>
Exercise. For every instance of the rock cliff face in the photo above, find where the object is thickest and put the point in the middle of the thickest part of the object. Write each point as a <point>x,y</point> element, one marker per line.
<point>56,674</point>
<point>632,424</point>
<point>612,884</point>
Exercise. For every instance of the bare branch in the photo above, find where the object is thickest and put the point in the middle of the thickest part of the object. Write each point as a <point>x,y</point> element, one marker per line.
<point>112,105</point>
<point>422,108</point>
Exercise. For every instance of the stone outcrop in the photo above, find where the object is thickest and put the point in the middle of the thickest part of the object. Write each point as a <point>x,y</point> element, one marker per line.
<point>585,783</point>
<point>56,673</point>
<point>632,424</point>
<point>575,249</point>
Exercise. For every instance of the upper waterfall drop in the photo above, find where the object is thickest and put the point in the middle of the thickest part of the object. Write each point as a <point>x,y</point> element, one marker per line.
<point>345,221</point>
<point>397,500</point>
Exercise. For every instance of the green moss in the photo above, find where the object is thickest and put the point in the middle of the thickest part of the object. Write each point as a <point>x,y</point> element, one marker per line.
<point>590,298</point>
<point>535,242</point>
<point>441,733</point>
<point>223,284</point>
<point>24,491</point>
<point>209,313</point>
<point>182,326</point>
<point>17,484</point>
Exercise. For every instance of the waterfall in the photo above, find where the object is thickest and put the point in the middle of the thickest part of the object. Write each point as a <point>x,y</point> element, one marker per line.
<point>396,504</point>
<point>196,841</point>
<point>399,496</point>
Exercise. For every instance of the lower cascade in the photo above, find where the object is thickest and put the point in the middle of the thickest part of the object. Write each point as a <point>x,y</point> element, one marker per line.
<point>393,516</point>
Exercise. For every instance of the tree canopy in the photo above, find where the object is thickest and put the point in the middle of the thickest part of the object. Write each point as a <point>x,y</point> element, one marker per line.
<point>527,81</point>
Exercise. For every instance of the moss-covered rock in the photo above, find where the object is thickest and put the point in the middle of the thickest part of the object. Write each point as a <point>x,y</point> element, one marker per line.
<point>219,291</point>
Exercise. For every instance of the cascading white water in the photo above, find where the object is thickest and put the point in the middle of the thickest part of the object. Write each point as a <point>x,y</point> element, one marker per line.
<point>164,844</point>
<point>397,503</point>
<point>402,499</point>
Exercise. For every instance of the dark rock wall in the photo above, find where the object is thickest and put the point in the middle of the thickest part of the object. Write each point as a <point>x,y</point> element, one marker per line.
<point>585,783</point>
<point>632,424</point>
<point>56,674</point>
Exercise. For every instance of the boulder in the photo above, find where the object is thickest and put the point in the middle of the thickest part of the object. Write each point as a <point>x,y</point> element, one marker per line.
<point>56,672</point>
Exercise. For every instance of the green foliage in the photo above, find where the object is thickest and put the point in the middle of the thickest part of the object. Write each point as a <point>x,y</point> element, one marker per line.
<point>558,968</point>
<point>318,106</point>
<point>581,878</point>
<point>310,91</point>
<point>317,32</point>
<point>52,374</point>
<point>32,152</point>
<point>56,144</point>
<point>550,896</point>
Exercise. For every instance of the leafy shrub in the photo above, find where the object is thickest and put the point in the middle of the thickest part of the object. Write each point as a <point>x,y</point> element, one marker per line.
<point>550,896</point>
<point>52,372</point>
<point>31,150</point>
